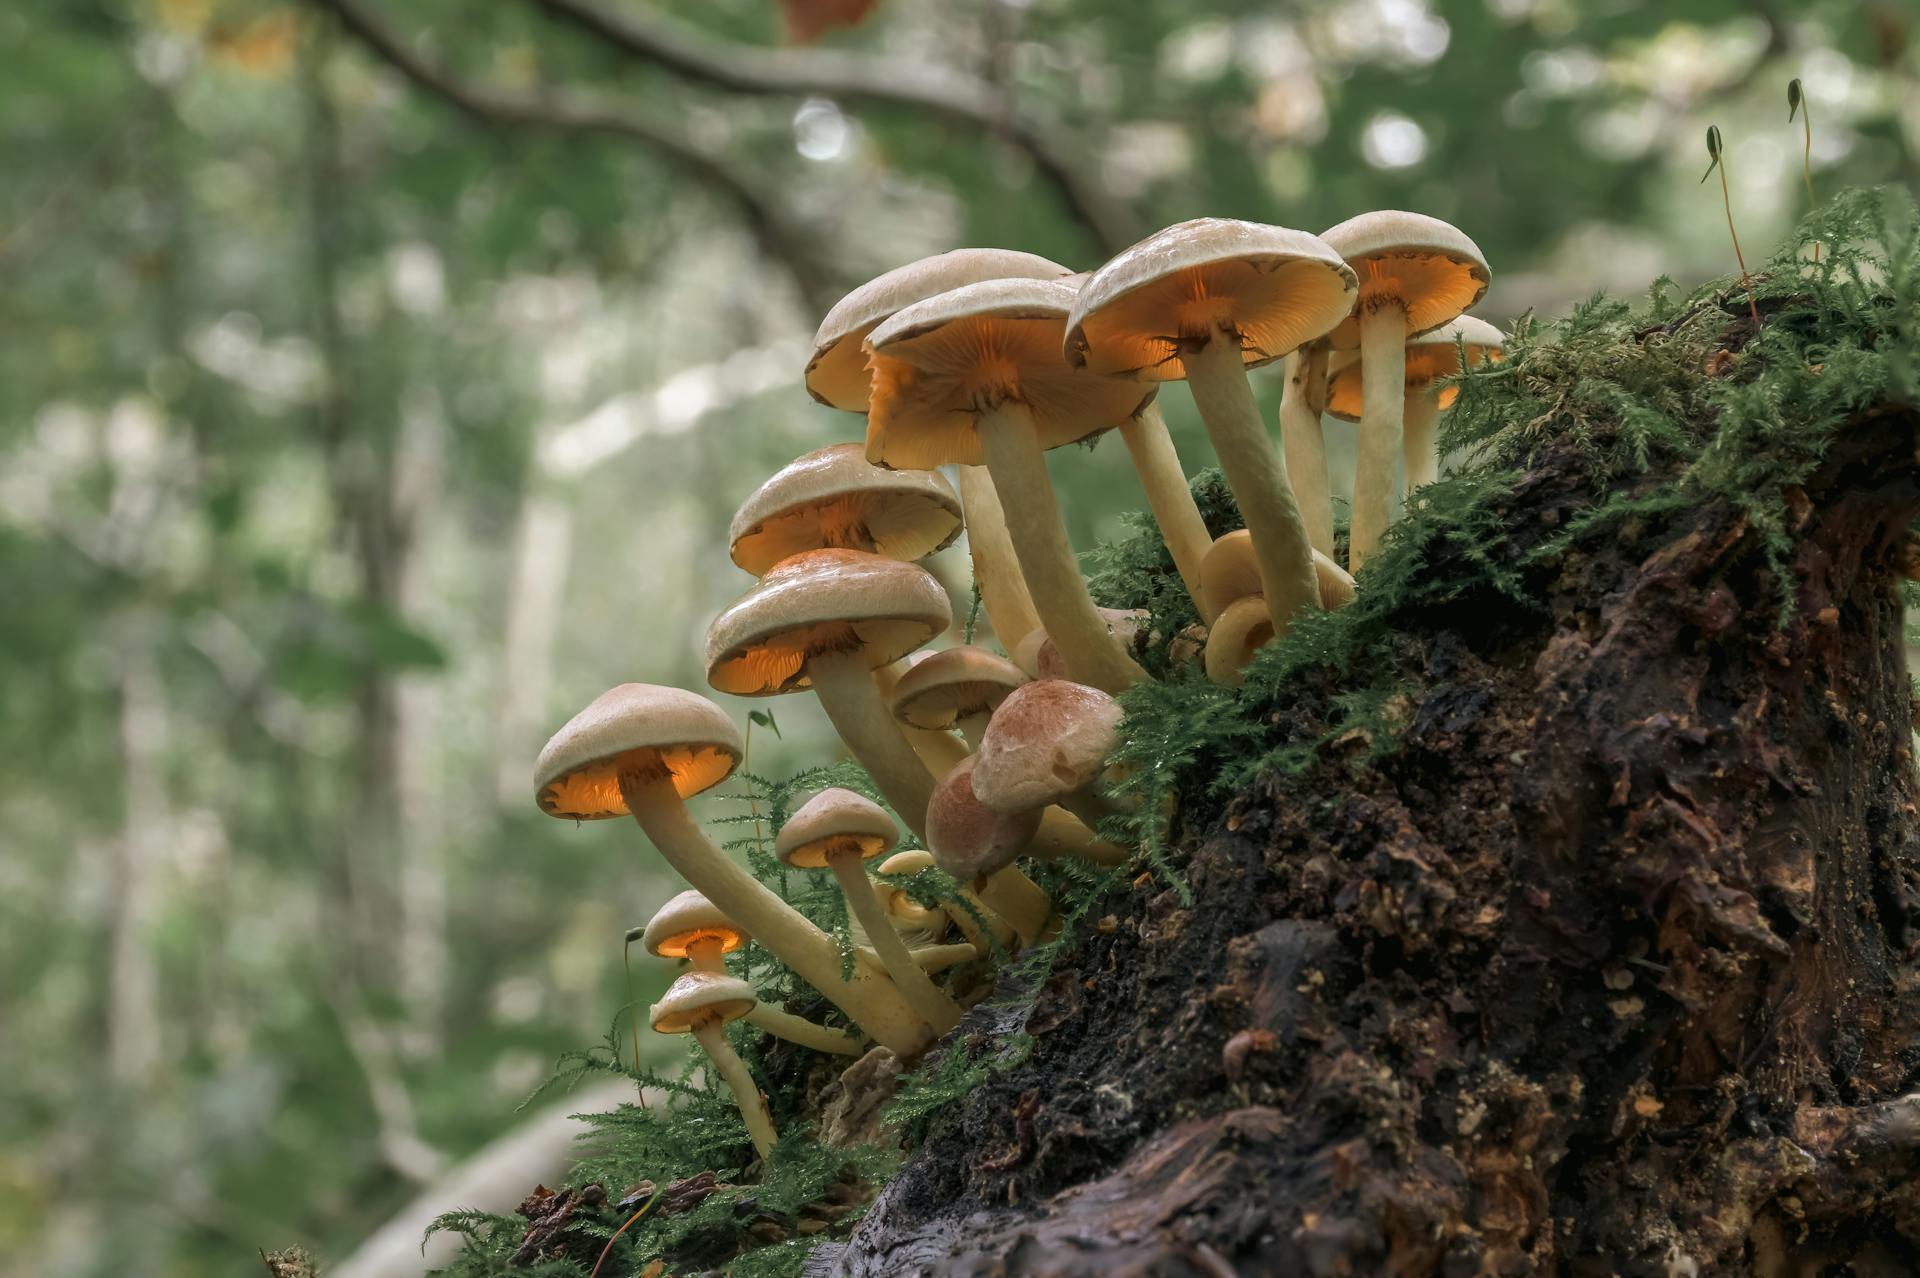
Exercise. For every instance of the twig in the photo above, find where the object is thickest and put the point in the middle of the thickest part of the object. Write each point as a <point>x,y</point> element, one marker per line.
<point>852,77</point>
<point>780,241</point>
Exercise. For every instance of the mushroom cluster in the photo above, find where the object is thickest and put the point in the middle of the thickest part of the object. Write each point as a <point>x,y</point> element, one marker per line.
<point>978,362</point>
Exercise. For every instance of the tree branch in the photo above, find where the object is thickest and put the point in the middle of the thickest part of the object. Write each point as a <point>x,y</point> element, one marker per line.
<point>852,77</point>
<point>776,238</point>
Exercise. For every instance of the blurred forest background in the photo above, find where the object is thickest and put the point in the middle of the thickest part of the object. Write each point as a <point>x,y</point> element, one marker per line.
<point>377,380</point>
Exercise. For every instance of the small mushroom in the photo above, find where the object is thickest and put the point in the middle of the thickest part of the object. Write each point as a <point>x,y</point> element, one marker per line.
<point>955,687</point>
<point>1048,743</point>
<point>835,497</point>
<point>975,375</point>
<point>1230,582</point>
<point>968,839</point>
<point>937,750</point>
<point>839,831</point>
<point>827,619</point>
<point>1204,300</point>
<point>1430,359</point>
<point>700,1003</point>
<point>691,927</point>
<point>1416,273</point>
<point>642,750</point>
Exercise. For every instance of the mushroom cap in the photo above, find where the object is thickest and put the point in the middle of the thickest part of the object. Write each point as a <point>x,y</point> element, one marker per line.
<point>968,838</point>
<point>1430,356</point>
<point>1432,268</point>
<point>1239,632</point>
<point>912,861</point>
<point>954,683</point>
<point>837,373</point>
<point>820,601</point>
<point>634,725</point>
<point>1048,740</point>
<point>695,997</point>
<point>1229,573</point>
<point>835,497</point>
<point>1275,289</point>
<point>1037,657</point>
<point>833,822</point>
<point>687,918</point>
<point>939,363</point>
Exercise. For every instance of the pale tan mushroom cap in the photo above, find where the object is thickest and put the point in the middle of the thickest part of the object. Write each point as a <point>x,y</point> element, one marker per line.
<point>952,684</point>
<point>1430,357</point>
<point>1275,289</point>
<point>1429,267</point>
<point>633,726</point>
<point>696,997</point>
<point>835,497</point>
<point>911,861</point>
<point>968,838</point>
<point>939,364</point>
<point>1229,573</point>
<point>833,822</point>
<point>822,601</point>
<point>1049,739</point>
<point>837,373</point>
<point>687,918</point>
<point>1037,657</point>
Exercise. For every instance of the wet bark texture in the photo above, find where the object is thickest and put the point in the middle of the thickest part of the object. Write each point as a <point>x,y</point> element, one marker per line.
<point>1608,968</point>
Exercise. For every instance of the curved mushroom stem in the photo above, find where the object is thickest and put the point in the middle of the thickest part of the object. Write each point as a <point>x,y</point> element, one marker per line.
<point>938,958</point>
<point>1303,442</point>
<point>848,694</point>
<point>1019,469</point>
<point>1336,583</point>
<point>1017,899</point>
<point>869,1000</point>
<point>973,727</point>
<point>1063,834</point>
<point>996,569</point>
<point>1257,474</point>
<point>1091,808</point>
<point>1383,376</point>
<point>733,1071</point>
<point>928,999</point>
<point>1420,422</point>
<point>1237,634</point>
<point>803,1032</point>
<point>1168,495</point>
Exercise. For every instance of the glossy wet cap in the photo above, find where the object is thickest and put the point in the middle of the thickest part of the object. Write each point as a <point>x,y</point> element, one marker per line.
<point>1049,739</point>
<point>1430,267</point>
<point>633,726</point>
<point>952,684</point>
<point>837,373</point>
<point>822,601</point>
<point>938,365</point>
<point>1272,288</point>
<point>1430,357</point>
<point>969,839</point>
<point>685,919</point>
<point>833,822</point>
<point>695,997</point>
<point>835,497</point>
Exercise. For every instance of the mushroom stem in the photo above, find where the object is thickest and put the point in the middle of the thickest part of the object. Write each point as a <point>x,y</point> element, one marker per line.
<point>852,701</point>
<point>1064,834</point>
<point>1303,442</point>
<point>1017,899</point>
<point>1091,809</point>
<point>972,728</point>
<point>1019,469</point>
<point>1168,495</point>
<point>805,1033</point>
<point>996,569</point>
<point>1256,473</point>
<point>733,1071</point>
<point>1383,377</point>
<point>869,1000</point>
<point>938,958</point>
<point>1420,421</point>
<point>928,999</point>
<point>707,954</point>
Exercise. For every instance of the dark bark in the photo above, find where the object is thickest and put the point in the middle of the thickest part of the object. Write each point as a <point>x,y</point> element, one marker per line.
<point>1607,968</point>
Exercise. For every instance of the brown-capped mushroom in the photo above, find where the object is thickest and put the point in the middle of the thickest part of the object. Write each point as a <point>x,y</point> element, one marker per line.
<point>826,619</point>
<point>691,927</point>
<point>1205,300</point>
<point>1431,358</point>
<point>839,831</point>
<point>1416,273</point>
<point>956,687</point>
<point>975,375</point>
<point>642,750</point>
<point>1048,743</point>
<point>701,1003</point>
<point>834,496</point>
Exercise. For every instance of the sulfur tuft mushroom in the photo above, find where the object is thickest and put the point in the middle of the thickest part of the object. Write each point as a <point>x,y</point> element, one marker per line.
<point>1303,441</point>
<point>1230,582</point>
<point>642,750</point>
<point>691,927</point>
<point>955,688</point>
<point>700,1003</point>
<point>839,831</point>
<point>1430,359</point>
<point>1048,743</point>
<point>835,497</point>
<point>1204,301</point>
<point>1416,273</point>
